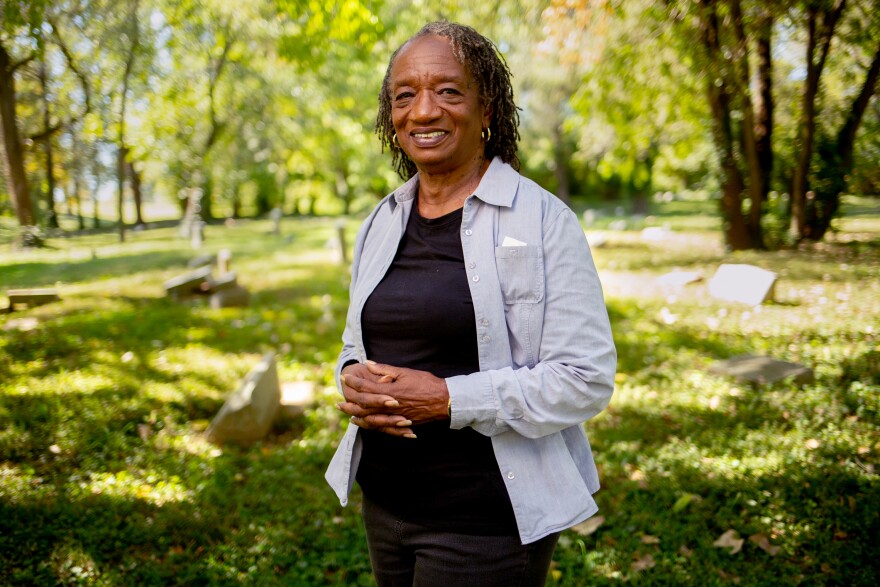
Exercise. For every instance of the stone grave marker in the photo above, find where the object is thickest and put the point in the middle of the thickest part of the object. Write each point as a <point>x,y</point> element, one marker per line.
<point>275,215</point>
<point>676,279</point>
<point>224,260</point>
<point>597,240</point>
<point>248,413</point>
<point>233,296</point>
<point>589,217</point>
<point>296,396</point>
<point>31,297</point>
<point>761,370</point>
<point>215,284</point>
<point>201,261</point>
<point>188,283</point>
<point>197,237</point>
<point>746,284</point>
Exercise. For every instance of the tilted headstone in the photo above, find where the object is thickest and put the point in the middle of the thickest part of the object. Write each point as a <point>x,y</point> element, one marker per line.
<point>31,297</point>
<point>201,261</point>
<point>742,283</point>
<point>761,370</point>
<point>248,413</point>
<point>188,283</point>
<point>235,296</point>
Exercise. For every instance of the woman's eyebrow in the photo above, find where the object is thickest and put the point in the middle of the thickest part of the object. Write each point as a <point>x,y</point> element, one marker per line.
<point>439,79</point>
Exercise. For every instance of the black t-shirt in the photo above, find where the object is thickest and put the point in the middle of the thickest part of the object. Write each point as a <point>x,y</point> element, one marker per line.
<point>421,316</point>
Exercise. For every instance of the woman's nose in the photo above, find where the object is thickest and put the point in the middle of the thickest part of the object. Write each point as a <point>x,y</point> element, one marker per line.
<point>425,106</point>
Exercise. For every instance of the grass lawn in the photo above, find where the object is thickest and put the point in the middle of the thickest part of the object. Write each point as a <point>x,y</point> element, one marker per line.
<point>105,478</point>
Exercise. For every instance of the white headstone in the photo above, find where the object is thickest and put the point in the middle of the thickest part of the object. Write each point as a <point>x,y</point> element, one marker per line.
<point>249,412</point>
<point>676,279</point>
<point>224,260</point>
<point>589,218</point>
<point>275,215</point>
<point>742,283</point>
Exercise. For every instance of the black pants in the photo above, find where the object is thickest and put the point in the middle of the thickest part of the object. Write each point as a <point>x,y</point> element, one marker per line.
<point>404,554</point>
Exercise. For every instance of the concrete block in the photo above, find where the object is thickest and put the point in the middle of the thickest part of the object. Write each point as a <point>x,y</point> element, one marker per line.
<point>31,297</point>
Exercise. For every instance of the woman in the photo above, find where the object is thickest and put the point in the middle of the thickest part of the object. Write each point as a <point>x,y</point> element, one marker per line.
<point>477,341</point>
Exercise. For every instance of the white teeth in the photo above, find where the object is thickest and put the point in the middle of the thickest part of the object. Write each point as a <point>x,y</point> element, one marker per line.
<point>428,135</point>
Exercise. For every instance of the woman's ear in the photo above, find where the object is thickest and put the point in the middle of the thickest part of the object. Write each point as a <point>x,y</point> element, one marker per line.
<point>487,115</point>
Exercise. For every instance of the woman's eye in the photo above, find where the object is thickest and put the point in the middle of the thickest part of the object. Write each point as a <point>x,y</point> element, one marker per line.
<point>403,95</point>
<point>452,91</point>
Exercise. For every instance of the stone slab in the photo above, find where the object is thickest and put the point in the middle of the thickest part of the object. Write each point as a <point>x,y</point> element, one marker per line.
<point>761,370</point>
<point>235,296</point>
<point>214,284</point>
<point>296,396</point>
<point>31,297</point>
<point>201,261</point>
<point>746,284</point>
<point>188,283</point>
<point>677,279</point>
<point>224,260</point>
<point>248,413</point>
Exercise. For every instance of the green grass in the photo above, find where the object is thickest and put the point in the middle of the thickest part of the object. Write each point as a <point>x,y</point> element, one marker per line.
<point>105,478</point>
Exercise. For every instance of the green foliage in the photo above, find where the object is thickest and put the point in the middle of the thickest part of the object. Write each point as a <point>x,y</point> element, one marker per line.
<point>105,478</point>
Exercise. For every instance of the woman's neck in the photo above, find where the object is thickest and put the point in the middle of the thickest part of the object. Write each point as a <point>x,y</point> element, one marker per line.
<point>442,193</point>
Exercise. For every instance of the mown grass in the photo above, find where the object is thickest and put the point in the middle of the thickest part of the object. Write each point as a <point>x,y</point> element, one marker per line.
<point>105,478</point>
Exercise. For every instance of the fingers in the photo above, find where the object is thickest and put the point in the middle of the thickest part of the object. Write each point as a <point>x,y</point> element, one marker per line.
<point>401,430</point>
<point>386,373</point>
<point>365,393</point>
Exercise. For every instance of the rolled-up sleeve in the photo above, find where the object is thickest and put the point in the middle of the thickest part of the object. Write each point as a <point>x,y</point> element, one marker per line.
<point>573,377</point>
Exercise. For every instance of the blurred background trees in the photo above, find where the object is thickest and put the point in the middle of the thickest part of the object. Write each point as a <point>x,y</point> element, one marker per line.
<point>227,110</point>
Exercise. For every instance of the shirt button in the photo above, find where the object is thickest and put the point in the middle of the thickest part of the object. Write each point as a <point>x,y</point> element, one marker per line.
<point>486,338</point>
<point>472,265</point>
<point>469,232</point>
<point>510,475</point>
<point>484,322</point>
<point>476,278</point>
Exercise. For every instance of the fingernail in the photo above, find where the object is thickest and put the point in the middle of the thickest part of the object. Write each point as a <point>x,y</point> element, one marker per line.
<point>386,379</point>
<point>410,435</point>
<point>339,406</point>
<point>392,403</point>
<point>342,378</point>
<point>404,423</point>
<point>369,362</point>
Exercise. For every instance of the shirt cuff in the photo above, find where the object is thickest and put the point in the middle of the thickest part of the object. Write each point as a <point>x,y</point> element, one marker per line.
<point>472,399</point>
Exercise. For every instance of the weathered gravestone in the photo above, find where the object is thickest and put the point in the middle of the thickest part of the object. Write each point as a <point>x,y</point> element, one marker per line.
<point>201,261</point>
<point>296,396</point>
<point>215,284</point>
<point>232,296</point>
<point>188,283</point>
<point>275,216</point>
<point>761,370</point>
<point>249,412</point>
<point>677,279</point>
<point>31,297</point>
<point>742,283</point>
<point>224,260</point>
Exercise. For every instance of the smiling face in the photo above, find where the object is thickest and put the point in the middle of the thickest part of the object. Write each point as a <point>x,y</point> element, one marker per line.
<point>435,107</point>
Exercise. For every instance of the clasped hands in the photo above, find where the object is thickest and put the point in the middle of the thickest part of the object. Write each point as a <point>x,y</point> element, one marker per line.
<point>392,399</point>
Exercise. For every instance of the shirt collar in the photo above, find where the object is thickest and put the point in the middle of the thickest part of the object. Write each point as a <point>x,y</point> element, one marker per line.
<point>497,186</point>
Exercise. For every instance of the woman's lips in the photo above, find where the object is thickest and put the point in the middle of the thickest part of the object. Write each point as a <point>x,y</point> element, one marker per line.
<point>428,138</point>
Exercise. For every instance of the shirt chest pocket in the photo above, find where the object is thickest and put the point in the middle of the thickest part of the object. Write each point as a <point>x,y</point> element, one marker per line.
<point>520,273</point>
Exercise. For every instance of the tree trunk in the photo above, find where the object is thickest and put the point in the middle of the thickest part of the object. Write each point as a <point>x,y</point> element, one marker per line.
<point>836,159</point>
<point>560,168</point>
<point>120,197</point>
<point>135,179</point>
<point>14,160</point>
<point>764,105</point>
<point>77,198</point>
<point>816,40</point>
<point>51,210</point>
<point>96,171</point>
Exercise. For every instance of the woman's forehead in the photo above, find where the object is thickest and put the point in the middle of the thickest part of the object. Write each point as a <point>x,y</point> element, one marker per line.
<point>429,56</point>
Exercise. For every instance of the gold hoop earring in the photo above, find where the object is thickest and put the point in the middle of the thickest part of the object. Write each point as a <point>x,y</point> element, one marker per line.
<point>486,134</point>
<point>394,140</point>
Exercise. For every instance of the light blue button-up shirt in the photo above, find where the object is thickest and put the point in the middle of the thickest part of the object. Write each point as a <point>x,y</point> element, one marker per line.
<point>547,359</point>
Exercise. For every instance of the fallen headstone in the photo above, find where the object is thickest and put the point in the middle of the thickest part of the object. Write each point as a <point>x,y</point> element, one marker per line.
<point>234,296</point>
<point>761,370</point>
<point>676,279</point>
<point>31,297</point>
<point>215,284</point>
<point>248,413</point>
<point>742,283</point>
<point>187,284</point>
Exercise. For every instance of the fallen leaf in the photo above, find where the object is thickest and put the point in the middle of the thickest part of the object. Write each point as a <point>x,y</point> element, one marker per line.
<point>812,444</point>
<point>55,449</point>
<point>762,542</point>
<point>730,539</point>
<point>685,551</point>
<point>840,535</point>
<point>645,562</point>
<point>728,577</point>
<point>648,539</point>
<point>863,450</point>
<point>682,502</point>
<point>587,527</point>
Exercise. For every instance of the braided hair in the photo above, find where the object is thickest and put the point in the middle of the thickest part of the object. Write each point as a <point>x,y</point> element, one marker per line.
<point>483,61</point>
